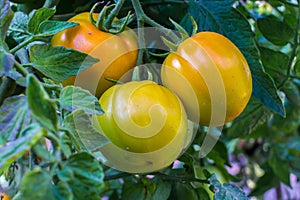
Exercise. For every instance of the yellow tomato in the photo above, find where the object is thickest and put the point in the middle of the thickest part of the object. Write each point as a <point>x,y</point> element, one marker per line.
<point>146,124</point>
<point>211,77</point>
<point>117,53</point>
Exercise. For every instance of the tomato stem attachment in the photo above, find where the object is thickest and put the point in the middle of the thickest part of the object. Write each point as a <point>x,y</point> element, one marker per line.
<point>107,21</point>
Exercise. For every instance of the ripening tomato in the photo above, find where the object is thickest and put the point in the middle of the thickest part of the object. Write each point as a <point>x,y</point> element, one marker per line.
<point>146,125</point>
<point>117,53</point>
<point>4,196</point>
<point>211,77</point>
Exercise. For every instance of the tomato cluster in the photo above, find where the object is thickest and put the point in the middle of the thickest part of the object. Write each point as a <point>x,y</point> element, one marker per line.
<point>206,80</point>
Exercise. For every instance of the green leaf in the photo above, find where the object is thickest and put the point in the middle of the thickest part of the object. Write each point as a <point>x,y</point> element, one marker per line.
<point>254,115</point>
<point>42,108</point>
<point>275,61</point>
<point>131,190</point>
<point>219,153</point>
<point>264,183</point>
<point>15,117</point>
<point>221,17</point>
<point>73,98</point>
<point>18,27</point>
<point>280,167</point>
<point>51,27</point>
<point>267,93</point>
<point>162,189</point>
<point>226,191</point>
<point>82,172</point>
<point>183,191</point>
<point>203,194</point>
<point>80,124</point>
<point>275,31</point>
<point>59,63</point>
<point>36,17</point>
<point>15,149</point>
<point>38,185</point>
<point>66,144</point>
<point>6,16</point>
<point>6,63</point>
<point>292,94</point>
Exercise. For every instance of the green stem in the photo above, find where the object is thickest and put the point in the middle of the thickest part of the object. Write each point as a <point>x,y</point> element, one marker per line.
<point>166,31</point>
<point>117,176</point>
<point>52,87</point>
<point>23,44</point>
<point>140,24</point>
<point>73,138</point>
<point>20,68</point>
<point>143,17</point>
<point>181,178</point>
<point>163,176</point>
<point>50,3</point>
<point>114,13</point>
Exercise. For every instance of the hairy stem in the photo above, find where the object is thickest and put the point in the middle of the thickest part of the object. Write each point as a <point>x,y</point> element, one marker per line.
<point>143,18</point>
<point>20,68</point>
<point>22,44</point>
<point>114,13</point>
<point>117,176</point>
<point>181,178</point>
<point>50,3</point>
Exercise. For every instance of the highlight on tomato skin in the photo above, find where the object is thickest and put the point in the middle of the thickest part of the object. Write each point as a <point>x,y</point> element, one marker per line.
<point>146,124</point>
<point>211,77</point>
<point>117,53</point>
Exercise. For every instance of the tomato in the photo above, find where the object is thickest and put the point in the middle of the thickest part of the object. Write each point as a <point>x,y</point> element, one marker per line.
<point>211,77</point>
<point>4,196</point>
<point>146,125</point>
<point>117,53</point>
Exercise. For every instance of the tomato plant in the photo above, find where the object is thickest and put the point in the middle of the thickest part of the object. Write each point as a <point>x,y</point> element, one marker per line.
<point>193,71</point>
<point>118,53</point>
<point>214,93</point>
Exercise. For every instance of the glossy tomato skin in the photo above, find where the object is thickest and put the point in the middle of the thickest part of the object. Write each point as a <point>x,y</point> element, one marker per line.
<point>117,53</point>
<point>208,72</point>
<point>141,116</point>
<point>146,125</point>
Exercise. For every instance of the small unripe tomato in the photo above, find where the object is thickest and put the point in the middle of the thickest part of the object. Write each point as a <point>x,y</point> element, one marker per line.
<point>117,53</point>
<point>211,77</point>
<point>146,125</point>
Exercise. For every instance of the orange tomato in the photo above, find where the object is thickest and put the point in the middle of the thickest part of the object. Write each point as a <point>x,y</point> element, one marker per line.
<point>117,53</point>
<point>211,77</point>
